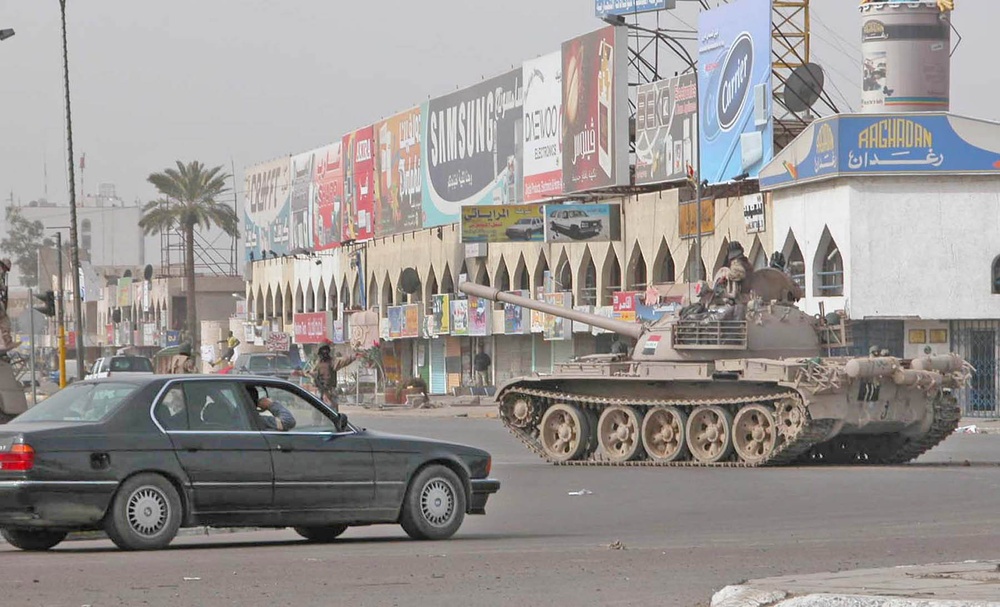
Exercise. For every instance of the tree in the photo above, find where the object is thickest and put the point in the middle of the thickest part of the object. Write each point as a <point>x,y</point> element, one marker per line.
<point>188,202</point>
<point>24,238</point>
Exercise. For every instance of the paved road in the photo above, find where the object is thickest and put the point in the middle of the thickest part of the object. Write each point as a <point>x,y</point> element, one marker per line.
<point>686,533</point>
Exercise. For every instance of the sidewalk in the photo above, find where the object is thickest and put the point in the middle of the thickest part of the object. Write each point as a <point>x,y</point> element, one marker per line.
<point>969,584</point>
<point>479,407</point>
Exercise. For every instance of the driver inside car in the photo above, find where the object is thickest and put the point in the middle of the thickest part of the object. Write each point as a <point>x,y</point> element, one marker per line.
<point>280,417</point>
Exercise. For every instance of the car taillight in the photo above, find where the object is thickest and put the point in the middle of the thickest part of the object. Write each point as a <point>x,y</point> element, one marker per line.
<point>489,465</point>
<point>19,458</point>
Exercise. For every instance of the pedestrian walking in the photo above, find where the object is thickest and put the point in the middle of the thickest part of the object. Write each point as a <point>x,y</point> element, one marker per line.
<point>481,365</point>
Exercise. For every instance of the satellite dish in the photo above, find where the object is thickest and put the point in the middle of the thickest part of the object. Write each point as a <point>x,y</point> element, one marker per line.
<point>409,282</point>
<point>803,88</point>
<point>147,272</point>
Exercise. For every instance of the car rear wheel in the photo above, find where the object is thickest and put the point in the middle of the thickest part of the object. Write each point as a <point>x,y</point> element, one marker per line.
<point>34,540</point>
<point>434,507</point>
<point>321,535</point>
<point>145,513</point>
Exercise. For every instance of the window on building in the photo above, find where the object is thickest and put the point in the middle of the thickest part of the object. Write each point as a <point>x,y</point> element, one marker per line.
<point>996,275</point>
<point>694,269</point>
<point>796,264</point>
<point>588,291</point>
<point>564,280</point>
<point>637,271</point>
<point>829,268</point>
<point>613,276</point>
<point>663,265</point>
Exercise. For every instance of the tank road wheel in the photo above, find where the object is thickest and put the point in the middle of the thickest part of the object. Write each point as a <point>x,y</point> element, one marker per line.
<point>710,434</point>
<point>790,417</point>
<point>618,432</point>
<point>754,434</point>
<point>520,411</point>
<point>565,432</point>
<point>663,434</point>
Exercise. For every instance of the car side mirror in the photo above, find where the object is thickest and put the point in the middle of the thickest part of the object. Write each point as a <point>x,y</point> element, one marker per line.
<point>341,423</point>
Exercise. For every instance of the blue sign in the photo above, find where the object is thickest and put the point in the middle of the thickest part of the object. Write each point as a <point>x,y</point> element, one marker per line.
<point>603,8</point>
<point>734,88</point>
<point>173,338</point>
<point>886,144</point>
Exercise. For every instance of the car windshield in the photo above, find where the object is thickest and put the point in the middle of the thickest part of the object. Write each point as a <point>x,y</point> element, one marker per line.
<point>269,363</point>
<point>79,403</point>
<point>523,221</point>
<point>133,364</point>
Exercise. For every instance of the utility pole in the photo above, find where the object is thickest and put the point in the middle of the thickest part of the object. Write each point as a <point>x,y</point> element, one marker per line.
<point>31,360</point>
<point>74,243</point>
<point>61,314</point>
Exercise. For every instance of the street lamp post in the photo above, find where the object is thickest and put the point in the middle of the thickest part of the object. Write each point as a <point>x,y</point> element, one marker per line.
<point>61,313</point>
<point>74,243</point>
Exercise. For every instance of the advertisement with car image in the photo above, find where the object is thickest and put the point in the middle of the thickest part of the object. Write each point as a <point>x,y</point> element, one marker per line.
<point>576,222</point>
<point>503,223</point>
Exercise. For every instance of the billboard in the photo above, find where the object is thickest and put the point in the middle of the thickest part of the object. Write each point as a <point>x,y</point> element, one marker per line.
<point>624,305</point>
<point>503,223</point>
<point>480,316</point>
<point>395,317</point>
<point>397,173</point>
<point>471,148</point>
<point>265,208</point>
<point>595,110</point>
<point>557,327</point>
<point>734,80</point>
<point>886,144</point>
<point>666,129</point>
<point>359,185</point>
<point>328,184</point>
<point>300,201</point>
<point>516,320</point>
<point>603,8</point>
<point>542,172</point>
<point>579,222</point>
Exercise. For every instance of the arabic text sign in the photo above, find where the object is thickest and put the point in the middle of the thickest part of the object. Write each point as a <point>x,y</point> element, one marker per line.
<point>542,80</point>
<point>470,148</point>
<point>503,223</point>
<point>312,327</point>
<point>277,341</point>
<point>666,129</point>
<point>359,185</point>
<point>582,222</point>
<point>624,304</point>
<point>886,144</point>
<point>753,213</point>
<point>734,76</point>
<point>301,200</point>
<point>595,116</point>
<point>603,8</point>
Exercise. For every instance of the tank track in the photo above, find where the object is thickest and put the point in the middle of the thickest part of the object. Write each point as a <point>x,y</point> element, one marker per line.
<point>889,449</point>
<point>791,451</point>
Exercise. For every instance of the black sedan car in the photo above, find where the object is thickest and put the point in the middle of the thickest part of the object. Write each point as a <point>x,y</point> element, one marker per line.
<point>141,457</point>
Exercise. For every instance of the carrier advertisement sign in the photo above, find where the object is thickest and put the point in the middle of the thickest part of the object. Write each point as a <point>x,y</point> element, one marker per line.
<point>359,185</point>
<point>397,169</point>
<point>301,202</point>
<point>265,208</point>
<point>595,112</point>
<point>542,79</point>
<point>603,8</point>
<point>472,148</point>
<point>734,78</point>
<point>579,222</point>
<point>886,144</point>
<point>503,223</point>
<point>328,183</point>
<point>666,129</point>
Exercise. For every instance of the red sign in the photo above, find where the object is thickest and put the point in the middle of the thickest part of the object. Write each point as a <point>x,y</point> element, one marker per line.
<point>359,185</point>
<point>328,180</point>
<point>109,334</point>
<point>71,339</point>
<point>312,327</point>
<point>624,305</point>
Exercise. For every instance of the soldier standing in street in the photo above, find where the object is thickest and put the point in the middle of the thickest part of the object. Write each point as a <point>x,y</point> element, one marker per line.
<point>325,375</point>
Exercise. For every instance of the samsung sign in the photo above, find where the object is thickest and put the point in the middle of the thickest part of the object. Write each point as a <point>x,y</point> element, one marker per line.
<point>603,8</point>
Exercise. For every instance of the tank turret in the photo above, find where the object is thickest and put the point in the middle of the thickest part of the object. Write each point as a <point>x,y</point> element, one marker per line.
<point>738,377</point>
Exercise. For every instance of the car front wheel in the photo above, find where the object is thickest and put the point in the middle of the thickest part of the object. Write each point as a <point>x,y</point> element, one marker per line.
<point>31,539</point>
<point>434,507</point>
<point>321,535</point>
<point>145,513</point>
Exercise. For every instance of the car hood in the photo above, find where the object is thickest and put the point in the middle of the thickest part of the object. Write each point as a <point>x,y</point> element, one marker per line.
<point>400,442</point>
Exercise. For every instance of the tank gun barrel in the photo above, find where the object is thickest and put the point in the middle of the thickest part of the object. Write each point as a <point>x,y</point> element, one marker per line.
<point>627,329</point>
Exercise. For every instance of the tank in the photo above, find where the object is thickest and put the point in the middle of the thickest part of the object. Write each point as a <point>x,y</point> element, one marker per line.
<point>739,377</point>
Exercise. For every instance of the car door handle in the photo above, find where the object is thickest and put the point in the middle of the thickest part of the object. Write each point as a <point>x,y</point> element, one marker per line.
<point>285,449</point>
<point>192,449</point>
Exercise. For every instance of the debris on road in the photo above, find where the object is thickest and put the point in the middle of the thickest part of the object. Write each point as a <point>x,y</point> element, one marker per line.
<point>581,492</point>
<point>617,545</point>
<point>971,429</point>
<point>192,579</point>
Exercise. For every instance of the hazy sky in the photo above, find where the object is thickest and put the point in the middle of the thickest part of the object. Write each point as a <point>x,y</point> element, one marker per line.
<point>249,80</point>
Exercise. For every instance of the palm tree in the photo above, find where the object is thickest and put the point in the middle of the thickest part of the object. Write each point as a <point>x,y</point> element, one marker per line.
<point>188,201</point>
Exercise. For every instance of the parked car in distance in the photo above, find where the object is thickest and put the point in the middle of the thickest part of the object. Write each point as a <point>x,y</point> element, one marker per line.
<point>575,223</point>
<point>526,228</point>
<point>141,456</point>
<point>117,365</point>
<point>267,364</point>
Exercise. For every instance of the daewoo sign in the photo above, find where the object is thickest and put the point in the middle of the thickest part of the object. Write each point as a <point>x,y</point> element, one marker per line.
<point>734,87</point>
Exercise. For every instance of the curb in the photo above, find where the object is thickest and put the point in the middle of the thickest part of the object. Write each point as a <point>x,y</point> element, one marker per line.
<point>747,596</point>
